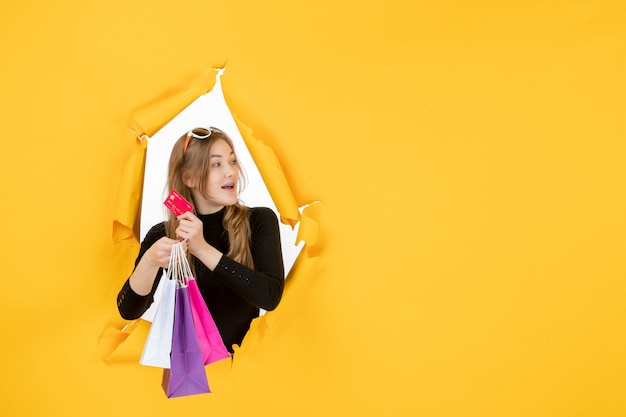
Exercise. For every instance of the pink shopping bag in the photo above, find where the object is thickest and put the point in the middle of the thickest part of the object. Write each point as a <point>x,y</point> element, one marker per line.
<point>209,338</point>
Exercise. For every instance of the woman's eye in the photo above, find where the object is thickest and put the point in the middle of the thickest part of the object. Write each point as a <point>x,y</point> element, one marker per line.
<point>233,162</point>
<point>216,165</point>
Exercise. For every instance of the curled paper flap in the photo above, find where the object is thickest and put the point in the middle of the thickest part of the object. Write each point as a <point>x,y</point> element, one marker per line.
<point>113,336</point>
<point>126,215</point>
<point>310,225</point>
<point>148,120</point>
<point>272,174</point>
<point>307,231</point>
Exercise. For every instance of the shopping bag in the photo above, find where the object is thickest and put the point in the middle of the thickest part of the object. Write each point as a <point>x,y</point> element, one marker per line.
<point>208,335</point>
<point>158,345</point>
<point>209,338</point>
<point>186,375</point>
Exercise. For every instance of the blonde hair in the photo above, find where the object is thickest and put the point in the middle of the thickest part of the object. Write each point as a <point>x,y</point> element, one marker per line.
<point>194,163</point>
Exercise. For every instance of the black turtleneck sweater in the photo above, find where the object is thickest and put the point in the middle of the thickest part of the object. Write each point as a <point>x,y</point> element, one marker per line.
<point>233,292</point>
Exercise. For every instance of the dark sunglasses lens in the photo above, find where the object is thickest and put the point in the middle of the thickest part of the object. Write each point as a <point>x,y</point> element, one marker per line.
<point>201,133</point>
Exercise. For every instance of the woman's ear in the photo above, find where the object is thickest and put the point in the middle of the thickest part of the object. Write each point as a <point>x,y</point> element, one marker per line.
<point>188,179</point>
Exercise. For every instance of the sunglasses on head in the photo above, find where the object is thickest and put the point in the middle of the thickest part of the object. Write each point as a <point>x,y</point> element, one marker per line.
<point>198,133</point>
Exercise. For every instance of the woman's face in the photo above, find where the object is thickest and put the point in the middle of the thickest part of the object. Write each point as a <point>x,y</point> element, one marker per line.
<point>222,181</point>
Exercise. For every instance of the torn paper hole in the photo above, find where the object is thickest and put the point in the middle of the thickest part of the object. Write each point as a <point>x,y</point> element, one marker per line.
<point>210,109</point>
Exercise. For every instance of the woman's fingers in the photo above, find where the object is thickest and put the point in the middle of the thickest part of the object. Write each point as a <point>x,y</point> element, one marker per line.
<point>189,227</point>
<point>162,251</point>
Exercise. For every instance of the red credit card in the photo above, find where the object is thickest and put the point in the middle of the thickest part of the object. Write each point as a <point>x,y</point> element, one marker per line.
<point>177,203</point>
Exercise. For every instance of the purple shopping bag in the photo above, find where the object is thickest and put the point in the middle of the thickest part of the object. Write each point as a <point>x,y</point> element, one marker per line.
<point>186,375</point>
<point>209,338</point>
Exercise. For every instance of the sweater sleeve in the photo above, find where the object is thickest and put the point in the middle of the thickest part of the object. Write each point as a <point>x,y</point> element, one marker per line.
<point>263,286</point>
<point>130,304</point>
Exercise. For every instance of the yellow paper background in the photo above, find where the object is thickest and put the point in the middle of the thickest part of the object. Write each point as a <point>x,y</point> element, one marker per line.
<point>469,159</point>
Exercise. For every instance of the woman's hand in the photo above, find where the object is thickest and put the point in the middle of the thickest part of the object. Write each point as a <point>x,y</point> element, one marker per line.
<point>159,253</point>
<point>157,256</point>
<point>190,230</point>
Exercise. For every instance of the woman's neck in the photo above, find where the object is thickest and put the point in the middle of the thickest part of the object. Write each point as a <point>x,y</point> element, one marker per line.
<point>204,209</point>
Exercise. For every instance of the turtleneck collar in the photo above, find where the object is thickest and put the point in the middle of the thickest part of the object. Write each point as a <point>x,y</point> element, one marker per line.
<point>212,221</point>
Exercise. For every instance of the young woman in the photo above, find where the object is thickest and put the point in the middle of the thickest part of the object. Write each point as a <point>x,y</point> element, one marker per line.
<point>235,251</point>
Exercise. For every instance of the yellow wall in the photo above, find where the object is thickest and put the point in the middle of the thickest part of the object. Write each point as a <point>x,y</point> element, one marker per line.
<point>469,156</point>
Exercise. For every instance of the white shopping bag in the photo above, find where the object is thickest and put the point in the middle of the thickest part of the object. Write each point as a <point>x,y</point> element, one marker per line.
<point>158,346</point>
